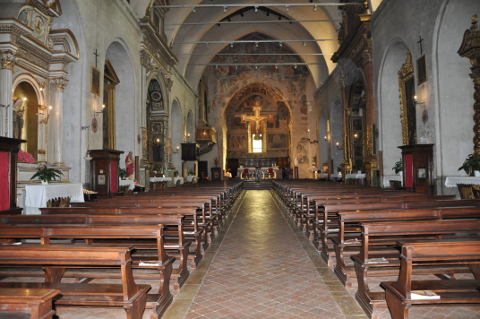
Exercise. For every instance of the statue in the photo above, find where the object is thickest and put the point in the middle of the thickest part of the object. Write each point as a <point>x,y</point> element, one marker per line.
<point>18,111</point>
<point>258,174</point>
<point>129,165</point>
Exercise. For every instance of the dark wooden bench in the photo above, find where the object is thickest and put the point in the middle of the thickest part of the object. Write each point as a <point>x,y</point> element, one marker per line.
<point>398,293</point>
<point>387,234</point>
<point>54,259</point>
<point>349,234</point>
<point>192,228</point>
<point>177,243</point>
<point>326,216</point>
<point>160,262</point>
<point>16,303</point>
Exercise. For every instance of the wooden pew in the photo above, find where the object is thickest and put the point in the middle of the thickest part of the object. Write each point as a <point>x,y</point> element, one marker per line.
<point>192,229</point>
<point>179,275</point>
<point>161,262</point>
<point>350,231</point>
<point>398,293</point>
<point>326,217</point>
<point>387,234</point>
<point>27,303</point>
<point>54,259</point>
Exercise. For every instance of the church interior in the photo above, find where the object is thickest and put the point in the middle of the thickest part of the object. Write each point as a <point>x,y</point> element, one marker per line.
<point>208,112</point>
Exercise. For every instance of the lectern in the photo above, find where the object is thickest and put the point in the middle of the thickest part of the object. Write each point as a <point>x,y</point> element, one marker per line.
<point>104,171</point>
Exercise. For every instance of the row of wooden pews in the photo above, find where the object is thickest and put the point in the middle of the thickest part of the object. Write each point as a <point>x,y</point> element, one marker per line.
<point>366,232</point>
<point>161,234</point>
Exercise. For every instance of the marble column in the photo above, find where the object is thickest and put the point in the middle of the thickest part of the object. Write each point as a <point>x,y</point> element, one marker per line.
<point>7,59</point>
<point>60,84</point>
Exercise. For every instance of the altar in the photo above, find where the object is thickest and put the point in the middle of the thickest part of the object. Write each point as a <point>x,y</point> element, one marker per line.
<point>36,196</point>
<point>159,182</point>
<point>249,172</point>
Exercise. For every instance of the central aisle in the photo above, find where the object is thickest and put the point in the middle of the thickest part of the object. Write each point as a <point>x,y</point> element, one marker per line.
<point>262,269</point>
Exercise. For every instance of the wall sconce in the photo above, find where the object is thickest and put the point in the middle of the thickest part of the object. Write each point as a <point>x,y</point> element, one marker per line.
<point>422,104</point>
<point>339,147</point>
<point>325,138</point>
<point>312,142</point>
<point>46,116</point>
<point>100,112</point>
<point>155,142</point>
<point>176,150</point>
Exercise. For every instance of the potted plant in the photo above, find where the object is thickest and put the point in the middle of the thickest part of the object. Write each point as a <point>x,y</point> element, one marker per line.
<point>191,172</point>
<point>398,167</point>
<point>471,164</point>
<point>241,163</point>
<point>156,169</point>
<point>122,173</point>
<point>46,175</point>
<point>175,173</point>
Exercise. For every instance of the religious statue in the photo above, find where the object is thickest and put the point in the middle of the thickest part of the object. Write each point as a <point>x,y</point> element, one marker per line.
<point>129,165</point>
<point>258,174</point>
<point>18,111</point>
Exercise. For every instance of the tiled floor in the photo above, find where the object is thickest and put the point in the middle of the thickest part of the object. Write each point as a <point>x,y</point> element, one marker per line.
<point>262,266</point>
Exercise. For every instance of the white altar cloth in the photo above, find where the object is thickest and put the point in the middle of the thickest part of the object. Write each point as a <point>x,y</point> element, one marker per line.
<point>125,182</point>
<point>160,179</point>
<point>178,178</point>
<point>36,196</point>
<point>469,180</point>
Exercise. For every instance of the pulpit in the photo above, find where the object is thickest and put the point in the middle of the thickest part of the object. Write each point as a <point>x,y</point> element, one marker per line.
<point>418,168</point>
<point>8,175</point>
<point>104,172</point>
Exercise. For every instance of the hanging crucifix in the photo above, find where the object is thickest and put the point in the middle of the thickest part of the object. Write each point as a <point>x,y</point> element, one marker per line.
<point>96,57</point>
<point>420,43</point>
<point>257,119</point>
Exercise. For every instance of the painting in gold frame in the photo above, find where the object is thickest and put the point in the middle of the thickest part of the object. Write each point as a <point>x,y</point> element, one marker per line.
<point>95,81</point>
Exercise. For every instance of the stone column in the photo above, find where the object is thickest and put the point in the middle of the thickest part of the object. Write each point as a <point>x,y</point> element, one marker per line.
<point>347,160</point>
<point>7,58</point>
<point>60,84</point>
<point>470,48</point>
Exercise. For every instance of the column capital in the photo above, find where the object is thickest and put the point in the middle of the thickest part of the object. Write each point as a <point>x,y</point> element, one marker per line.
<point>60,83</point>
<point>8,59</point>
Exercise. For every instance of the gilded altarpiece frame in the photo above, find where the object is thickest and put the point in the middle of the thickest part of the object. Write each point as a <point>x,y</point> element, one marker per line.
<point>405,74</point>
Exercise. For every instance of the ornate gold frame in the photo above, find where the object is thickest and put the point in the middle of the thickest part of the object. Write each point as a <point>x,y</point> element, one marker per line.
<point>405,74</point>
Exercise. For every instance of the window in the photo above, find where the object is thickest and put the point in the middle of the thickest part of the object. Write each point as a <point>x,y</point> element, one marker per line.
<point>257,143</point>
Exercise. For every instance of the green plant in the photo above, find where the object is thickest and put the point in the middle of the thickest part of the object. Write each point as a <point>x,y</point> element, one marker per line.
<point>175,173</point>
<point>47,174</point>
<point>471,163</point>
<point>156,168</point>
<point>191,172</point>
<point>241,163</point>
<point>122,173</point>
<point>398,167</point>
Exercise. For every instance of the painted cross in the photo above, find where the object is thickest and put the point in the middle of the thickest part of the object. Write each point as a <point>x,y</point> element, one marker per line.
<point>257,118</point>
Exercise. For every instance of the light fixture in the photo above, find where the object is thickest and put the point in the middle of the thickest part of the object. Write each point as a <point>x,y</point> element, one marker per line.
<point>355,135</point>
<point>422,104</point>
<point>46,116</point>
<point>312,142</point>
<point>286,8</point>
<point>176,150</point>
<point>339,147</point>
<point>225,9</point>
<point>314,8</point>
<point>100,112</point>
<point>85,127</point>
<point>256,8</point>
<point>325,138</point>
<point>155,142</point>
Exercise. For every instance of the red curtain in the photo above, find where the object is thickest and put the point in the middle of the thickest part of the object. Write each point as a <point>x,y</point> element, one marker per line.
<point>4,180</point>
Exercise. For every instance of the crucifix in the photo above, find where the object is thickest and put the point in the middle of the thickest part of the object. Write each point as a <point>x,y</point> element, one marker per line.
<point>256,117</point>
<point>420,42</point>
<point>96,57</point>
